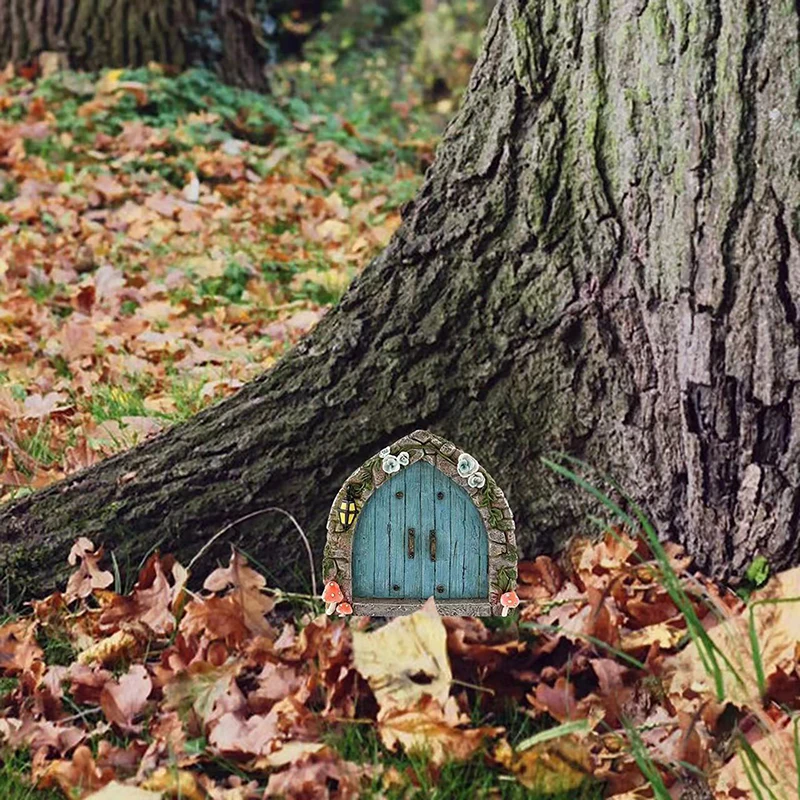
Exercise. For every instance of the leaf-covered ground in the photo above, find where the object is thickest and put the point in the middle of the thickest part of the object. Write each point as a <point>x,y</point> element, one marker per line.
<point>238,691</point>
<point>164,239</point>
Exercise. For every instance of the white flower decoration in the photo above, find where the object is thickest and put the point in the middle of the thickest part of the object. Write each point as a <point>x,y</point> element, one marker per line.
<point>403,458</point>
<point>385,452</point>
<point>391,464</point>
<point>466,465</point>
<point>476,480</point>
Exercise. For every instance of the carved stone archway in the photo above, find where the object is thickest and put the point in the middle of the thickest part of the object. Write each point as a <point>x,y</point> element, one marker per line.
<point>485,494</point>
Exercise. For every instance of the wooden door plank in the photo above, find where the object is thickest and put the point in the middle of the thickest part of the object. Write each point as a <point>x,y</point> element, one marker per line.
<point>396,512</point>
<point>364,567</point>
<point>475,540</point>
<point>383,542</point>
<point>427,566</point>
<point>413,505</point>
<point>443,522</point>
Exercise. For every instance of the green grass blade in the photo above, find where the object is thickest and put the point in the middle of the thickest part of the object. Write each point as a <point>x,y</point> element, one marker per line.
<point>758,661</point>
<point>645,762</point>
<point>796,743</point>
<point>565,729</point>
<point>753,762</point>
<point>755,647</point>
<point>751,779</point>
<point>706,648</point>
<point>554,629</point>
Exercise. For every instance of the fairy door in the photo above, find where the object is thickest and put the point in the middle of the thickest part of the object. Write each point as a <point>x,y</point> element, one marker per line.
<point>418,535</point>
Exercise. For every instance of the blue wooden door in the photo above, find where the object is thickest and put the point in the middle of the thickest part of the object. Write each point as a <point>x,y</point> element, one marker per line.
<point>420,535</point>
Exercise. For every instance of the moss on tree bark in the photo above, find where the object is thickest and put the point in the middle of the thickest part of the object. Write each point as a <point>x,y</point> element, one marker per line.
<point>603,260</point>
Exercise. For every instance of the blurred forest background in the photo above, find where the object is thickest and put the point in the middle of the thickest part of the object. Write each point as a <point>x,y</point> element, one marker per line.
<point>166,234</point>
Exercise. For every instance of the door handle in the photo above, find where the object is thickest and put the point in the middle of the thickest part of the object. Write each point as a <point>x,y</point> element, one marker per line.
<point>411,538</point>
<point>432,545</point>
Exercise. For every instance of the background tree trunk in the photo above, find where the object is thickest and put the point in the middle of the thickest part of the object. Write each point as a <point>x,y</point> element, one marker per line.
<point>602,260</point>
<point>226,35</point>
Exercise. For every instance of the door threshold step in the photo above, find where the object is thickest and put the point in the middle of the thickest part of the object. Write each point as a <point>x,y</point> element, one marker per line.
<point>383,607</point>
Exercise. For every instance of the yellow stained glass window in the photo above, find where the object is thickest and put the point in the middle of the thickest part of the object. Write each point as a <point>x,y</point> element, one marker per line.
<point>347,512</point>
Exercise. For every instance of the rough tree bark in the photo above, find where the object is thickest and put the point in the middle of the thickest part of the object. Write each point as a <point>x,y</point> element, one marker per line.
<point>91,34</point>
<point>602,260</point>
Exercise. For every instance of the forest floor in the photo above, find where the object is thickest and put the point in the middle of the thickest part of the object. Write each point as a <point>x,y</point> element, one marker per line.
<point>165,238</point>
<point>619,675</point>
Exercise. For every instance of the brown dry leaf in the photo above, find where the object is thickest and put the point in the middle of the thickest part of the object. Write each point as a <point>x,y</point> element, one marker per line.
<point>668,635</point>
<point>18,647</point>
<point>38,407</point>
<point>78,338</point>
<point>86,683</point>
<point>75,776</point>
<point>468,638</point>
<point>89,576</point>
<point>405,659</point>
<point>777,626</point>
<point>432,728</point>
<point>558,766</point>
<point>235,734</point>
<point>121,791</point>
<point>777,767</point>
<point>559,700</point>
<point>539,579</point>
<point>210,692</point>
<point>247,587</point>
<point>39,734</point>
<point>122,700</point>
<point>215,618</point>
<point>286,753</point>
<point>308,778</point>
<point>235,788</point>
<point>153,597</point>
<point>592,561</point>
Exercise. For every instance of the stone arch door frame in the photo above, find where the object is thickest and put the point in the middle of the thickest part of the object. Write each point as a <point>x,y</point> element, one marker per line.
<point>488,499</point>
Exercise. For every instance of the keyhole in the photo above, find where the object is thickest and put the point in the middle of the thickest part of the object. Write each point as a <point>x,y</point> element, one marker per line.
<point>440,495</point>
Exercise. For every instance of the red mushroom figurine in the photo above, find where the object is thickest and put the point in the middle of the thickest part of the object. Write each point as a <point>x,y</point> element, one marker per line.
<point>344,609</point>
<point>332,595</point>
<point>509,600</point>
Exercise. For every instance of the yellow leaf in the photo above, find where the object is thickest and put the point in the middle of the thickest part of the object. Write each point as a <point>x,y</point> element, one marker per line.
<point>665,633</point>
<point>405,659</point>
<point>110,649</point>
<point>432,729</point>
<point>109,81</point>
<point>175,783</point>
<point>288,753</point>
<point>554,766</point>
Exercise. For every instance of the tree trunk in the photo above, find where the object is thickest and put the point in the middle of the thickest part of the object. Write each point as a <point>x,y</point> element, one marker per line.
<point>92,34</point>
<point>603,260</point>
